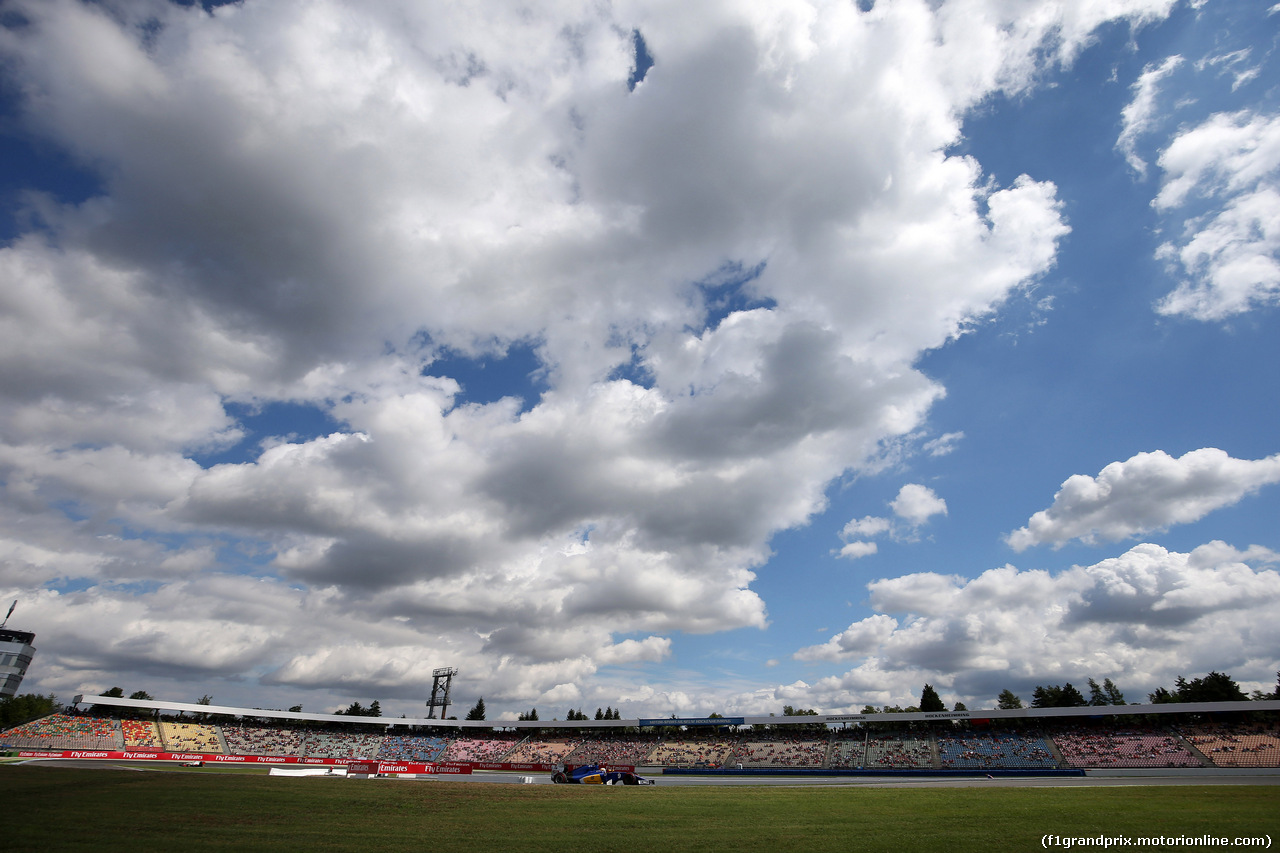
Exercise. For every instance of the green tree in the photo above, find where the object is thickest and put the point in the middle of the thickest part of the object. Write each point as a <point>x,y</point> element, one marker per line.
<point>141,712</point>
<point>16,710</point>
<point>1214,687</point>
<point>1071,697</point>
<point>375,710</point>
<point>930,701</point>
<point>788,711</point>
<point>1008,701</point>
<point>1053,696</point>
<point>477,711</point>
<point>599,714</point>
<point>1105,694</point>
<point>114,693</point>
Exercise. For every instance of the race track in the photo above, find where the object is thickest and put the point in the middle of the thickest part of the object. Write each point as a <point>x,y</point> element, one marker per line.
<point>1106,778</point>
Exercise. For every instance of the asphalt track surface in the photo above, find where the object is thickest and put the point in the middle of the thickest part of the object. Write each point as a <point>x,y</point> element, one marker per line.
<point>1269,776</point>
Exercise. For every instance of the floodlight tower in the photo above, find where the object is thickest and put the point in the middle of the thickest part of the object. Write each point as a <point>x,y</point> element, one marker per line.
<point>441,681</point>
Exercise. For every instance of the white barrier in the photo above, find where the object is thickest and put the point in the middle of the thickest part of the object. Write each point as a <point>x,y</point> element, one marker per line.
<point>308,771</point>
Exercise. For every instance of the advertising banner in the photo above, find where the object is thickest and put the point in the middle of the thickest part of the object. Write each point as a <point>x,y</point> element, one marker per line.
<point>124,755</point>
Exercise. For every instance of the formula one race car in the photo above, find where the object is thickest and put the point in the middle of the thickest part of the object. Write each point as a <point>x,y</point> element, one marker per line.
<point>594,774</point>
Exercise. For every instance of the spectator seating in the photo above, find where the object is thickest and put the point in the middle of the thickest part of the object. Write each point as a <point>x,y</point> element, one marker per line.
<point>541,751</point>
<point>412,748</point>
<point>712,752</point>
<point>1245,745</point>
<point>1120,748</point>
<point>480,748</point>
<point>1004,750</point>
<point>141,735</point>
<point>612,751</point>
<point>780,752</point>
<point>848,752</point>
<point>63,731</point>
<point>342,744</point>
<point>262,740</point>
<point>190,737</point>
<point>888,751</point>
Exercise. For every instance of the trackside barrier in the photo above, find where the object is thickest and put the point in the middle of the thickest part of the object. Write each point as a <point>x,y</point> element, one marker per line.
<point>814,771</point>
<point>308,771</point>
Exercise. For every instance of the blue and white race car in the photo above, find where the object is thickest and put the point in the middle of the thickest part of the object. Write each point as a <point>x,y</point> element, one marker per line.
<point>595,774</point>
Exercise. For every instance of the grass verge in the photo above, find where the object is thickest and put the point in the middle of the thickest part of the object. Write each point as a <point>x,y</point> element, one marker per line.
<point>70,809</point>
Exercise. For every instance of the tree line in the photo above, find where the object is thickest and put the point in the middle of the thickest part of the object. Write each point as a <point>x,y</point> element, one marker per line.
<point>1214,687</point>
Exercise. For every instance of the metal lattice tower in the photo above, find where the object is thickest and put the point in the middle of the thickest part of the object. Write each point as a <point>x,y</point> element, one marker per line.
<point>441,681</point>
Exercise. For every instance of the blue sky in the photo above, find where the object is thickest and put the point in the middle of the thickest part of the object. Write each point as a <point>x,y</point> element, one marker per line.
<point>849,347</point>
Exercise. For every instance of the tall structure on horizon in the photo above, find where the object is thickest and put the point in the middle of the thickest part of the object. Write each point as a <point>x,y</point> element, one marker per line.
<point>16,653</point>
<point>441,681</point>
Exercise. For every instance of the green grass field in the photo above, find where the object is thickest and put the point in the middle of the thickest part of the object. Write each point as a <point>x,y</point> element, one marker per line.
<point>103,810</point>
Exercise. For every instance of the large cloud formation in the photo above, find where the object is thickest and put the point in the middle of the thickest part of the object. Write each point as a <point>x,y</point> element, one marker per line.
<point>1139,619</point>
<point>1148,492</point>
<point>726,271</point>
<point>1220,185</point>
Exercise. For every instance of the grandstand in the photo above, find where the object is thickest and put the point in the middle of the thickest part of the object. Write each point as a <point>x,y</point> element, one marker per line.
<point>1111,748</point>
<point>479,748</point>
<point>899,752</point>
<point>343,744</point>
<point>710,752</point>
<point>531,751</point>
<point>1237,745</point>
<point>62,731</point>
<point>412,748</point>
<point>192,737</point>
<point>849,750</point>
<point>611,751</point>
<point>141,735</point>
<point>995,750</point>
<point>780,752</point>
<point>1207,735</point>
<point>262,740</point>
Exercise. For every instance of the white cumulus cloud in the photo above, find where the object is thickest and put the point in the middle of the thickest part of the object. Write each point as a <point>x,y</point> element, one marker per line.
<point>1147,492</point>
<point>916,504</point>
<point>1230,255</point>
<point>317,204</point>
<point>1139,619</point>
